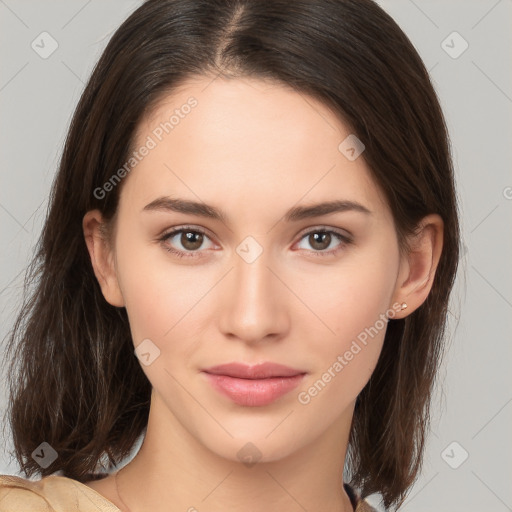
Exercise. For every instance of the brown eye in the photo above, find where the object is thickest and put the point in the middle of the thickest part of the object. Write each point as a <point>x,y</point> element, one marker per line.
<point>191,240</point>
<point>320,241</point>
<point>185,242</point>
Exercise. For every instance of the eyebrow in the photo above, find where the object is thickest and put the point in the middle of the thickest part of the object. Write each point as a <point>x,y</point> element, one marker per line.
<point>292,215</point>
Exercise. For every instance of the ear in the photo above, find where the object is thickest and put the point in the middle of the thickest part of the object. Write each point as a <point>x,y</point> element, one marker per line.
<point>102,257</point>
<point>418,266</point>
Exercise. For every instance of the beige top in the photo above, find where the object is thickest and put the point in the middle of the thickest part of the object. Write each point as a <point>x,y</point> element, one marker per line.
<point>50,494</point>
<point>61,494</point>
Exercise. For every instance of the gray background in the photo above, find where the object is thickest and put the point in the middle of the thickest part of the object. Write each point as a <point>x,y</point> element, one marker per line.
<point>472,407</point>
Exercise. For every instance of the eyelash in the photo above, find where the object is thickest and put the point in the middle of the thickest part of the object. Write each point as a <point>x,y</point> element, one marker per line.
<point>191,254</point>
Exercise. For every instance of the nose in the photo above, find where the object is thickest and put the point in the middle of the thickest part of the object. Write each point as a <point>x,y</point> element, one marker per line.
<point>253,302</point>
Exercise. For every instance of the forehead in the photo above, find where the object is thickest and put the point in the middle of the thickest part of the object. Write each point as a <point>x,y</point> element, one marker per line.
<point>240,109</point>
<point>246,138</point>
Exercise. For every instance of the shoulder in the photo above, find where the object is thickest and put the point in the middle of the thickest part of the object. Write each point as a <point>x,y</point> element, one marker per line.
<point>16,493</point>
<point>50,494</point>
<point>361,504</point>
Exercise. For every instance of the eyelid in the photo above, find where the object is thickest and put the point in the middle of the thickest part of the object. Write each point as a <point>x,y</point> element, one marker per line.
<point>185,227</point>
<point>322,227</point>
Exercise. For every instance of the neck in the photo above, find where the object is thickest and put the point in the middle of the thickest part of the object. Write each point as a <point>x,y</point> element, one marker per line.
<point>165,474</point>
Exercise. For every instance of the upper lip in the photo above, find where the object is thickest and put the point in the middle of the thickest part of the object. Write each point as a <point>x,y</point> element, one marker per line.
<point>258,371</point>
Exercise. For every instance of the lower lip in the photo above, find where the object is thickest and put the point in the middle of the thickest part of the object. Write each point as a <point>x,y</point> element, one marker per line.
<point>254,392</point>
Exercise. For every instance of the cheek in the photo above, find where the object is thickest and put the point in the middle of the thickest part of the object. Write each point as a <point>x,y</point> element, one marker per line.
<point>166,304</point>
<point>346,337</point>
<point>350,297</point>
<point>160,295</point>
<point>342,363</point>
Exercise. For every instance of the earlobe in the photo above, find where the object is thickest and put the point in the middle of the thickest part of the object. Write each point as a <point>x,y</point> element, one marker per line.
<point>102,259</point>
<point>417,272</point>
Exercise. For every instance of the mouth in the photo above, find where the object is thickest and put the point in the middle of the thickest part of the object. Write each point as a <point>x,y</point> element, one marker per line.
<point>253,386</point>
<point>259,371</point>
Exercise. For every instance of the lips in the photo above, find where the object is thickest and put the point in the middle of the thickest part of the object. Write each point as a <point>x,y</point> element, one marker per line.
<point>253,386</point>
<point>258,371</point>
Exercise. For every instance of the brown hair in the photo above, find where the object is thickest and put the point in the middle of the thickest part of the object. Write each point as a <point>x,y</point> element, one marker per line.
<point>74,379</point>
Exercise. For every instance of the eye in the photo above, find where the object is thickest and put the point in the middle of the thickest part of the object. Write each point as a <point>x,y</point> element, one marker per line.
<point>190,239</point>
<point>322,239</point>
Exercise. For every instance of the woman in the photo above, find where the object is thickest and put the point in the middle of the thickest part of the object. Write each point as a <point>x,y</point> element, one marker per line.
<point>252,240</point>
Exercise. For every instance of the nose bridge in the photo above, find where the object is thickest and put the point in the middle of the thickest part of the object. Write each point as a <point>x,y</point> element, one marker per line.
<point>252,309</point>
<point>253,279</point>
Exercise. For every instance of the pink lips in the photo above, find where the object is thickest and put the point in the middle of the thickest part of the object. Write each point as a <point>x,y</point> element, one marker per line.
<point>256,385</point>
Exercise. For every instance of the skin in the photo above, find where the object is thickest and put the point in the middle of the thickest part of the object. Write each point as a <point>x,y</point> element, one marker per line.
<point>253,149</point>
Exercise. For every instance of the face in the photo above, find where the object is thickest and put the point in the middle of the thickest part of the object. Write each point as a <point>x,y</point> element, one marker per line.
<point>263,281</point>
